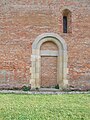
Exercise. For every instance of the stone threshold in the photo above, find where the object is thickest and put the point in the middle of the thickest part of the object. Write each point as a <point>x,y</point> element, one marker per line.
<point>42,92</point>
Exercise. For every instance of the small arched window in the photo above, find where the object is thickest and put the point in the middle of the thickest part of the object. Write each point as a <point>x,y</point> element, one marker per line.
<point>67,27</point>
<point>64,24</point>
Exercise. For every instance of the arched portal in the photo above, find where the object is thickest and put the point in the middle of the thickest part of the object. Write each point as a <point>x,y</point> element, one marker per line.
<point>59,53</point>
<point>49,62</point>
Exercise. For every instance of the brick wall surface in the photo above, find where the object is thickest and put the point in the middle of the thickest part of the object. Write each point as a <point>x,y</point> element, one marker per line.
<point>48,71</point>
<point>21,21</point>
<point>49,46</point>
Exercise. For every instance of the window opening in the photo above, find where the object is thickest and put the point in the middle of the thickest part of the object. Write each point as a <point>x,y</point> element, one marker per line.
<point>64,24</point>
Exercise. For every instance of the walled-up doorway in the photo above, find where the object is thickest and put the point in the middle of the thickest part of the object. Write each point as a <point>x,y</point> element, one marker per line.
<point>48,72</point>
<point>49,61</point>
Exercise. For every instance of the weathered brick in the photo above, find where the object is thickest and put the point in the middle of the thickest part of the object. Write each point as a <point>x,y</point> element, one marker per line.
<point>22,21</point>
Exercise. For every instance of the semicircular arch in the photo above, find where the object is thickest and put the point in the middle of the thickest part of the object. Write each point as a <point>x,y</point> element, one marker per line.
<point>36,59</point>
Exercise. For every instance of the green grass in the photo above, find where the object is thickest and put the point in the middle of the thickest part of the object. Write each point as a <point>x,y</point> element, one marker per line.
<point>45,107</point>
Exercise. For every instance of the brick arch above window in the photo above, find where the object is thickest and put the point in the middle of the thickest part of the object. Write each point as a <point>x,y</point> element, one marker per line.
<point>67,21</point>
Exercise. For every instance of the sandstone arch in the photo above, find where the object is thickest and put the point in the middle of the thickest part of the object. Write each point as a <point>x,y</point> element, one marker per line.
<point>36,59</point>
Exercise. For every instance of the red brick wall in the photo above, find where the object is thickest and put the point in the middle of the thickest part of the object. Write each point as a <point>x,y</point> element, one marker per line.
<point>48,71</point>
<point>22,21</point>
<point>49,46</point>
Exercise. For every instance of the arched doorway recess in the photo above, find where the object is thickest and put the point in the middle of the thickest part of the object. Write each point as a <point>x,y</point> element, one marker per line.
<point>36,59</point>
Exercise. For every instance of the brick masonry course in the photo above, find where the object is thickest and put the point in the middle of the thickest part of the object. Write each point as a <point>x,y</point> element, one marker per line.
<point>22,21</point>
